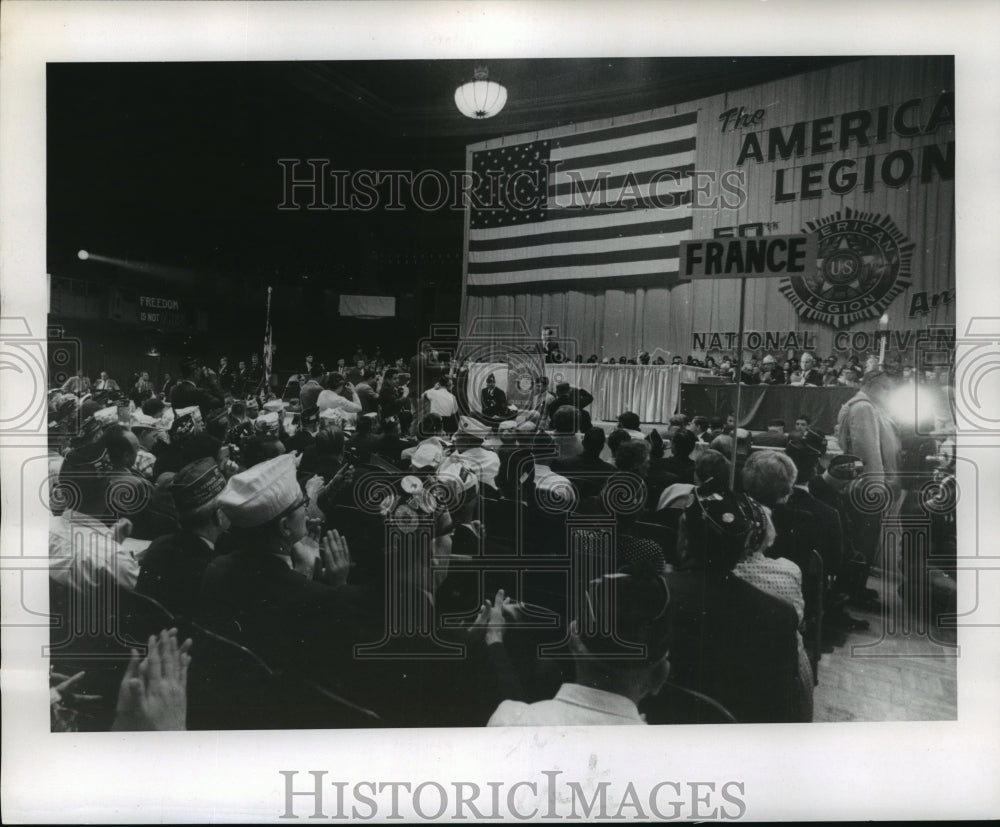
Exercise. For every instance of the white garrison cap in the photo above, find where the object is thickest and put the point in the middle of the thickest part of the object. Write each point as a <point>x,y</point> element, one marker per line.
<point>261,493</point>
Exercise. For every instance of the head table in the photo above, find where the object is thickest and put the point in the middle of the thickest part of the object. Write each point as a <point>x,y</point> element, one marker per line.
<point>651,391</point>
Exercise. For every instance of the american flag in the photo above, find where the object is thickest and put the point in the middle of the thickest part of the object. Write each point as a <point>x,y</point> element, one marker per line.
<point>586,210</point>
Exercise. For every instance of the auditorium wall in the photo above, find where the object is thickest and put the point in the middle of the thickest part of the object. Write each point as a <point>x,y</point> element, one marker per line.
<point>861,155</point>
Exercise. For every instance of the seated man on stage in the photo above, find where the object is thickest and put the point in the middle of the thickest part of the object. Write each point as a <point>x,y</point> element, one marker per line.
<point>810,376</point>
<point>494,402</point>
<point>771,372</point>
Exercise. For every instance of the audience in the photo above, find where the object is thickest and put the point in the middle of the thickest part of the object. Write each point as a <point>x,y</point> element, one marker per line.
<point>289,527</point>
<point>586,470</point>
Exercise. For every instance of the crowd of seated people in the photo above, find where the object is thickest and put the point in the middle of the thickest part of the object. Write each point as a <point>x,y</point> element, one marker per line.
<point>354,561</point>
<point>809,370</point>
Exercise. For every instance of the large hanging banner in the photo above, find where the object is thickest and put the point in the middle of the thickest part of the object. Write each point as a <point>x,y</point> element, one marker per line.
<point>639,226</point>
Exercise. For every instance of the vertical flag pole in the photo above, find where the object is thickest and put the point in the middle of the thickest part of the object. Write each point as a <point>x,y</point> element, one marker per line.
<point>267,343</point>
<point>739,383</point>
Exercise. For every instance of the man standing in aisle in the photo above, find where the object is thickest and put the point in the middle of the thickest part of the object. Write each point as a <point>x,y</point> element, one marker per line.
<point>865,430</point>
<point>441,401</point>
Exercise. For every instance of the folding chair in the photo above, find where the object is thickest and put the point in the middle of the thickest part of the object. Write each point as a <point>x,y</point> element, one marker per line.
<point>677,705</point>
<point>230,687</point>
<point>143,616</point>
<point>814,581</point>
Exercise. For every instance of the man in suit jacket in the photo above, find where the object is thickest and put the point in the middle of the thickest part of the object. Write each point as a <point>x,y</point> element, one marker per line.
<point>281,596</point>
<point>771,372</point>
<point>833,490</point>
<point>78,384</point>
<point>390,402</point>
<point>105,383</point>
<point>576,397</point>
<point>174,565</point>
<point>367,397</point>
<point>309,392</point>
<point>141,390</point>
<point>810,375</point>
<point>803,522</point>
<point>493,401</point>
<point>131,496</point>
<point>587,471</point>
<point>225,375</point>
<point>192,390</point>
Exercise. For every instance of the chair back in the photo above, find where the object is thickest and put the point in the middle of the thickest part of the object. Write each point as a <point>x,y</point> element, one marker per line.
<point>143,616</point>
<point>814,581</point>
<point>678,705</point>
<point>310,705</point>
<point>230,687</point>
<point>365,535</point>
<point>502,518</point>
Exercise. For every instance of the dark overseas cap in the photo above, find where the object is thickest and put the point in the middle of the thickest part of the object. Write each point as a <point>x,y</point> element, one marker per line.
<point>846,467</point>
<point>625,618</point>
<point>197,484</point>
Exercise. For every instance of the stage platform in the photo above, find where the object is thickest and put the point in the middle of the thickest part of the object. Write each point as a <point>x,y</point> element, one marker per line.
<point>762,403</point>
<point>651,391</point>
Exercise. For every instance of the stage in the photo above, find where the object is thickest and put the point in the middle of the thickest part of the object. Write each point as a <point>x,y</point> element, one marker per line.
<point>762,403</point>
<point>651,391</point>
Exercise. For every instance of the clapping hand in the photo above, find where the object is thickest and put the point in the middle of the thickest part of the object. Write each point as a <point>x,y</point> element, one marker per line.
<point>153,694</point>
<point>59,686</point>
<point>490,620</point>
<point>334,564</point>
<point>122,530</point>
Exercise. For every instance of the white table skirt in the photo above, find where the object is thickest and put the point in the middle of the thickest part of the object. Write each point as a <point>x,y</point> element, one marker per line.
<point>651,391</point>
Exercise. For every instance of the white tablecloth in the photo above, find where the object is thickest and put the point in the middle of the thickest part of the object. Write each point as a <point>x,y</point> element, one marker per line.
<point>652,391</point>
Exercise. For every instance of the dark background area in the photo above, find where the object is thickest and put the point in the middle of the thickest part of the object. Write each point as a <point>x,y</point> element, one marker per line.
<point>173,168</point>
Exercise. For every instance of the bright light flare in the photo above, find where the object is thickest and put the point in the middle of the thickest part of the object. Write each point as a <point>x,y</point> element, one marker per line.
<point>912,405</point>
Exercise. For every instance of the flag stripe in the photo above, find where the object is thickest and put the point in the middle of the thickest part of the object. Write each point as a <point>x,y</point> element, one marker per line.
<point>572,154</point>
<point>628,130</point>
<point>646,227</point>
<point>624,156</point>
<point>585,266</point>
<point>559,220</point>
<point>672,179</point>
<point>666,162</point>
<point>660,202</point>
<point>543,255</point>
<point>589,252</point>
<point>615,282</point>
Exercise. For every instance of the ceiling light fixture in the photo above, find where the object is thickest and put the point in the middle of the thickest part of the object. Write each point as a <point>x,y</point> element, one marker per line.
<point>480,98</point>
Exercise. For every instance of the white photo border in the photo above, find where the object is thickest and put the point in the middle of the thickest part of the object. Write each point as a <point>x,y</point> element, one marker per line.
<point>835,771</point>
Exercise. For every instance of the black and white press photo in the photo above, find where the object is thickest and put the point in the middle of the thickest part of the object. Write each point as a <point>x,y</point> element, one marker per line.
<point>407,397</point>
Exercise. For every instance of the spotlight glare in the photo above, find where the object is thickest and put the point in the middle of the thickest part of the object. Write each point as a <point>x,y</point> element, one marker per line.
<point>913,406</point>
<point>83,255</point>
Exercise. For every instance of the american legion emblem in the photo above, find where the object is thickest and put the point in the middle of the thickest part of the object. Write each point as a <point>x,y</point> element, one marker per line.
<point>862,264</point>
